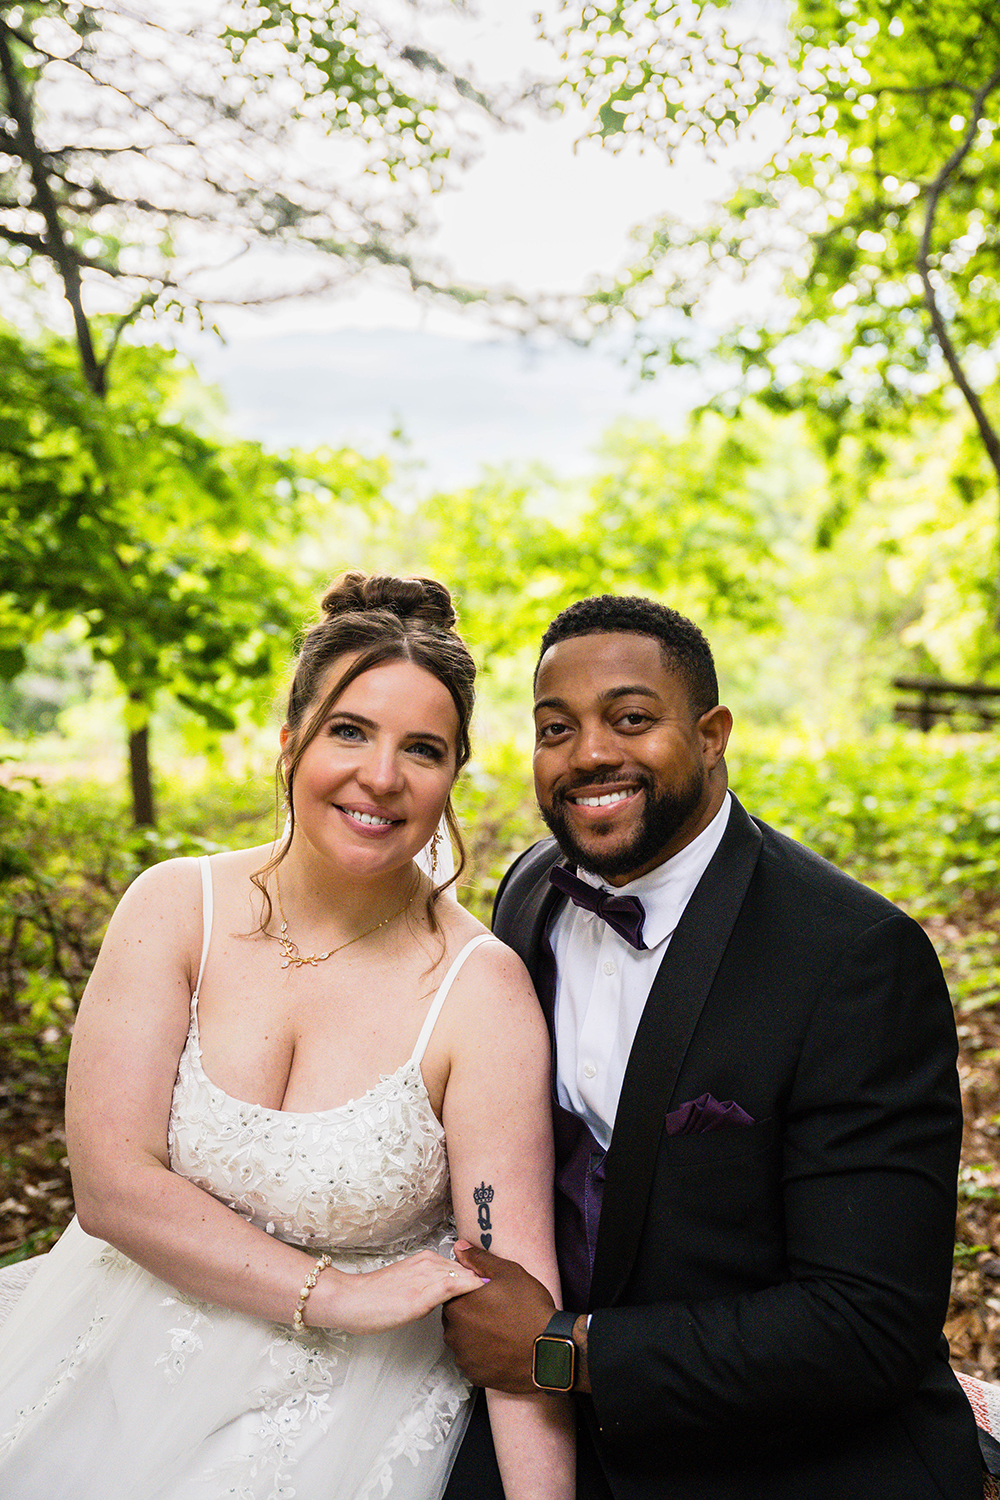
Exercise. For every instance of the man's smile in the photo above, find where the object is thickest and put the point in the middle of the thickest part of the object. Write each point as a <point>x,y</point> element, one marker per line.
<point>602,799</point>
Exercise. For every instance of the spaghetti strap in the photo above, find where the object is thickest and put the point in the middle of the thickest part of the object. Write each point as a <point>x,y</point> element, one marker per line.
<point>206,916</point>
<point>442,994</point>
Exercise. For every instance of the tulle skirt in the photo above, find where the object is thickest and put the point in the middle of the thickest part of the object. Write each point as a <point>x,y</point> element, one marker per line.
<point>113,1386</point>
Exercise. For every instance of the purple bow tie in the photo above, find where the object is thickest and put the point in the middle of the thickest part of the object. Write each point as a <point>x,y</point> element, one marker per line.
<point>625,914</point>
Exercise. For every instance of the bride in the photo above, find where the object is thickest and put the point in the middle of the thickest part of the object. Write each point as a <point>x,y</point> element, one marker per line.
<point>271,1052</point>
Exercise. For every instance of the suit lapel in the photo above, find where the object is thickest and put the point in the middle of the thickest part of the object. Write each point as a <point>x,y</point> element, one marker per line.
<point>671,1014</point>
<point>524,901</point>
<point>521,914</point>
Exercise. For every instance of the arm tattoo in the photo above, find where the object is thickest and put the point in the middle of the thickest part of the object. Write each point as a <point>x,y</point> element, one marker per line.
<point>483,1196</point>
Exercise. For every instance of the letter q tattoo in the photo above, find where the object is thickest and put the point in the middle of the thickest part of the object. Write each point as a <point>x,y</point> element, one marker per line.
<point>483,1196</point>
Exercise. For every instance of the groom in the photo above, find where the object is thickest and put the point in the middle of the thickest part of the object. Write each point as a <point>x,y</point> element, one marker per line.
<point>756,1112</point>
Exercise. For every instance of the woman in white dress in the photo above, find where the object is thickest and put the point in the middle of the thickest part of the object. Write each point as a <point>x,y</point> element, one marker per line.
<point>271,1051</point>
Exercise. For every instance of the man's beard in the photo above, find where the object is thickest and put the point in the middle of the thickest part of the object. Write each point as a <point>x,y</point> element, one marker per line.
<point>663,816</point>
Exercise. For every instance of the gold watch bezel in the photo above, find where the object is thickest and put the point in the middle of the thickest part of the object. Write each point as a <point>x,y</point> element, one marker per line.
<point>546,1345</point>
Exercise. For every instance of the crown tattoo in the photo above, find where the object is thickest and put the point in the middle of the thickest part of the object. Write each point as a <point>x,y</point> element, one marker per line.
<point>483,1194</point>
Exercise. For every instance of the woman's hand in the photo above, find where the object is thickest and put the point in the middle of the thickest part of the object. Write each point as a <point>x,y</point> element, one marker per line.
<point>372,1301</point>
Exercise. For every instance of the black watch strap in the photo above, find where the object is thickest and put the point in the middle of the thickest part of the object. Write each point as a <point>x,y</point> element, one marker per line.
<point>560,1326</point>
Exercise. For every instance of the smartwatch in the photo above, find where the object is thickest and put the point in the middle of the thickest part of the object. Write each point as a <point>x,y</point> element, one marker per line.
<point>553,1362</point>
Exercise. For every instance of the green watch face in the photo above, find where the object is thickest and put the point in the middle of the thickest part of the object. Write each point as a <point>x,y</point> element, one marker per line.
<point>553,1364</point>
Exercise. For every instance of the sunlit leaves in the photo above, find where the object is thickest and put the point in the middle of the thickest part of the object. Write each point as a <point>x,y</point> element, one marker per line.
<point>691,518</point>
<point>352,72</point>
<point>805,286</point>
<point>155,536</point>
<point>670,71</point>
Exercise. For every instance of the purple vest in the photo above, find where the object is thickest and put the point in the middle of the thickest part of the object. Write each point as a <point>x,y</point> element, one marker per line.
<point>579,1190</point>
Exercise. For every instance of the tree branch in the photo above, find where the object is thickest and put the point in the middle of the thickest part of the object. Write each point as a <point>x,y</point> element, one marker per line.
<point>39,245</point>
<point>934,192</point>
<point>56,245</point>
<point>146,300</point>
<point>988,433</point>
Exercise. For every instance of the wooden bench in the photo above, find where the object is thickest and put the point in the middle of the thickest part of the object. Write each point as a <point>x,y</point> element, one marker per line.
<point>932,700</point>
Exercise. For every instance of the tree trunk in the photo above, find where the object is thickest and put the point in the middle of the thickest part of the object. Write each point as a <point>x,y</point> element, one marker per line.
<point>143,814</point>
<point>57,243</point>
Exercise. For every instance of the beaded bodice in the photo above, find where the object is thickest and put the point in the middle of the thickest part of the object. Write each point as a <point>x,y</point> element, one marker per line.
<point>370,1176</point>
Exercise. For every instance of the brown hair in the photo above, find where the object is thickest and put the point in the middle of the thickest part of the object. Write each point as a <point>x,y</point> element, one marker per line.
<point>378,620</point>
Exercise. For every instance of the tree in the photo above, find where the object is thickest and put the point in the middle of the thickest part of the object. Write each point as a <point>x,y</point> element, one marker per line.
<point>143,158</point>
<point>172,547</point>
<point>694,518</point>
<point>875,214</point>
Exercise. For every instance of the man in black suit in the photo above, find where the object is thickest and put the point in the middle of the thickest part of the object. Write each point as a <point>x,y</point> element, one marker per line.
<point>757,1120</point>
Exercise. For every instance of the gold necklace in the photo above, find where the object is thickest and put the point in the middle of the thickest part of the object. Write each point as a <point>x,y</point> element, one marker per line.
<point>291,957</point>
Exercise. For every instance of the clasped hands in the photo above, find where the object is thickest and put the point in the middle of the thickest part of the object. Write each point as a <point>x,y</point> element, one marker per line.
<point>491,1331</point>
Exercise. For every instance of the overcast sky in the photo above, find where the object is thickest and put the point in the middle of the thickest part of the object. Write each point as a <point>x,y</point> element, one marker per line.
<point>542,209</point>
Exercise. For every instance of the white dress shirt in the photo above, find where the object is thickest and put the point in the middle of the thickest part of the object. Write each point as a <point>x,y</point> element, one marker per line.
<point>602,982</point>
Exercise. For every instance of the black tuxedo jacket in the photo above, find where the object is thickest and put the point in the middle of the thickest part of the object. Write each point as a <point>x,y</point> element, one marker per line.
<point>768,1299</point>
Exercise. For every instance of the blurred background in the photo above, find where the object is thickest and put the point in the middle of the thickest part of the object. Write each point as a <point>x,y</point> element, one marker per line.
<point>668,298</point>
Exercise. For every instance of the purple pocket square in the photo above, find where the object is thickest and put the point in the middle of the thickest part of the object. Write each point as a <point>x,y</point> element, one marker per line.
<point>705,1113</point>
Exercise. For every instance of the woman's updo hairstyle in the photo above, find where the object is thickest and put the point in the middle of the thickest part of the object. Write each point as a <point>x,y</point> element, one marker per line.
<point>376,620</point>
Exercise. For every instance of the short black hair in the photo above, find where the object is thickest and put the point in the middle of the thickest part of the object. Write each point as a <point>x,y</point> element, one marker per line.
<point>682,645</point>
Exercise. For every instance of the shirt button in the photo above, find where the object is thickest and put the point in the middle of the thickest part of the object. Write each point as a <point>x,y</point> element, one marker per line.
<point>589,1070</point>
<point>609,967</point>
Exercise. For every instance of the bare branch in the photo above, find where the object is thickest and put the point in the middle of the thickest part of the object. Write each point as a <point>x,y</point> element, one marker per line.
<point>146,300</point>
<point>427,60</point>
<point>58,248</point>
<point>988,433</point>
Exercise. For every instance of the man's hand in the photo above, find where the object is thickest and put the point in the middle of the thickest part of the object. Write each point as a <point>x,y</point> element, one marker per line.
<point>492,1331</point>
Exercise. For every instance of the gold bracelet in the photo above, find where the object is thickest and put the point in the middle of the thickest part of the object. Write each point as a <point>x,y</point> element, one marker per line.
<point>298,1322</point>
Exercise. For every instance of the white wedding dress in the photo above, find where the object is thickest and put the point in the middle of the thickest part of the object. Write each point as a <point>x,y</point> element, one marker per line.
<point>114,1386</point>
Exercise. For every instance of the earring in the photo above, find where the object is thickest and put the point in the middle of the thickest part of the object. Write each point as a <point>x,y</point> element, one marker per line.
<point>435,846</point>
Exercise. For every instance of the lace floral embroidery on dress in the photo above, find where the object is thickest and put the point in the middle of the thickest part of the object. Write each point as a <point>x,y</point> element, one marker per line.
<point>305,1373</point>
<point>366,1182</point>
<point>265,1414</point>
<point>64,1371</point>
<point>436,1404</point>
<point>109,1256</point>
<point>183,1341</point>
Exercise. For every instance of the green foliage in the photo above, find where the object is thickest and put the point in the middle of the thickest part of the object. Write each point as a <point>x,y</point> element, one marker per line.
<point>853,274</point>
<point>116,514</point>
<point>719,522</point>
<point>496,809</point>
<point>171,549</point>
<point>66,856</point>
<point>901,168</point>
<point>903,587</point>
<point>880,97</point>
<point>916,816</point>
<point>694,517</point>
